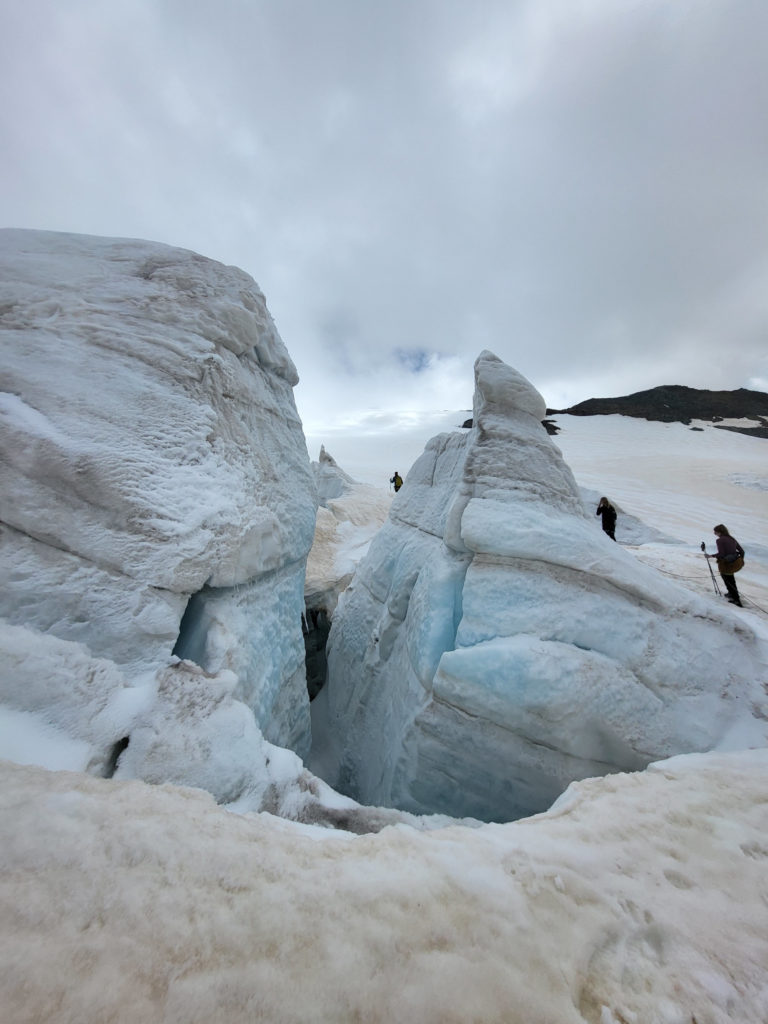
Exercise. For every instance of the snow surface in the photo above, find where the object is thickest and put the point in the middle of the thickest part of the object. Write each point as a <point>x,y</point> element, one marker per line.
<point>495,645</point>
<point>682,482</point>
<point>349,515</point>
<point>638,898</point>
<point>679,480</point>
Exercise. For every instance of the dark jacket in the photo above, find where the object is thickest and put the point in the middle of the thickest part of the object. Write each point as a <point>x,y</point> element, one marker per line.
<point>608,512</point>
<point>728,546</point>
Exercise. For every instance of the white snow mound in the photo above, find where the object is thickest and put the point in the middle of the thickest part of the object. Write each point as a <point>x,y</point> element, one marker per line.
<point>638,898</point>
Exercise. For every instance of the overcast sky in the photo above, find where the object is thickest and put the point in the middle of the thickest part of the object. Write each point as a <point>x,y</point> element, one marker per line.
<point>579,185</point>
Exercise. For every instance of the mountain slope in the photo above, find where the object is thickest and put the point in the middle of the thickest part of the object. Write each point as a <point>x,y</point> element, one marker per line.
<point>674,403</point>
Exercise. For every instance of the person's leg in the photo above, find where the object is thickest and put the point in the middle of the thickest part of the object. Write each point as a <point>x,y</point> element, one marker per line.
<point>730,586</point>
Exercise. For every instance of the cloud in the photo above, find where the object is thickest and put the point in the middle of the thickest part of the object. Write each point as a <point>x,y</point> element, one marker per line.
<point>575,184</point>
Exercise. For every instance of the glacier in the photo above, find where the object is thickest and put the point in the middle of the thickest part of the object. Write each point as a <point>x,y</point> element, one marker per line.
<point>493,646</point>
<point>157,510</point>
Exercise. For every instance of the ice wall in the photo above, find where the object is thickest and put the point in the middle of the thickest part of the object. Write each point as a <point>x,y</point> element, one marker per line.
<point>155,489</point>
<point>493,646</point>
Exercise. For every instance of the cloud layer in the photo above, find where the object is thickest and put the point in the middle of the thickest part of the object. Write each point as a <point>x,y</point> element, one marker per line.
<point>579,186</point>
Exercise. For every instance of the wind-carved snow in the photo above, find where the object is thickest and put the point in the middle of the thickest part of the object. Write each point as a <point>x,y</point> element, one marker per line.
<point>152,461</point>
<point>494,645</point>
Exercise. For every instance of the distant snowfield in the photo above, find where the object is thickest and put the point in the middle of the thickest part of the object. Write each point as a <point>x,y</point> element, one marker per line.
<point>371,452</point>
<point>683,482</point>
<point>676,479</point>
<point>680,480</point>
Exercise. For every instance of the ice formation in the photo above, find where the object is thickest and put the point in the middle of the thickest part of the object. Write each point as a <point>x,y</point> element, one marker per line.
<point>156,495</point>
<point>494,645</point>
<point>157,507</point>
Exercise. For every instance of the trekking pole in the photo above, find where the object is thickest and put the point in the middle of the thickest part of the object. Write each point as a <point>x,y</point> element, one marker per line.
<point>714,581</point>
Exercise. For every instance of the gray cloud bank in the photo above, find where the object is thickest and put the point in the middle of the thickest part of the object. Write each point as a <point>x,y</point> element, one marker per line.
<point>579,185</point>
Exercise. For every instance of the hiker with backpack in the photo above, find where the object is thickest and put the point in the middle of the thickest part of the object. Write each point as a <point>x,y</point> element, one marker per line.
<point>608,512</point>
<point>730,558</point>
<point>397,480</point>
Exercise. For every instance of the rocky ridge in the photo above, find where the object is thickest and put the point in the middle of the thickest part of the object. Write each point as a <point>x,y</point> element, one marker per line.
<point>674,403</point>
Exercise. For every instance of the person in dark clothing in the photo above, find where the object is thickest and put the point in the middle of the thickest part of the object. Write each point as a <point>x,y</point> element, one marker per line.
<point>608,512</point>
<point>397,480</point>
<point>729,551</point>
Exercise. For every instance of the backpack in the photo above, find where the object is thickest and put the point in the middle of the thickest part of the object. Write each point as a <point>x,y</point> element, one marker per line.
<point>730,564</point>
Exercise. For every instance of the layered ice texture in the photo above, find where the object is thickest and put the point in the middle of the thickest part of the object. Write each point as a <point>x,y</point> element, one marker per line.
<point>156,497</point>
<point>493,645</point>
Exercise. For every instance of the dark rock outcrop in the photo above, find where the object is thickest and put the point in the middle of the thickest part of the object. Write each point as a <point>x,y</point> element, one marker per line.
<point>674,403</point>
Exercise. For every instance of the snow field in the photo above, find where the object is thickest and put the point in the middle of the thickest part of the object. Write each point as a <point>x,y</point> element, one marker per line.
<point>636,898</point>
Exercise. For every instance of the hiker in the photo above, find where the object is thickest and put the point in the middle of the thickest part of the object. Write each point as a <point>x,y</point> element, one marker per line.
<point>397,480</point>
<point>730,558</point>
<point>608,512</point>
